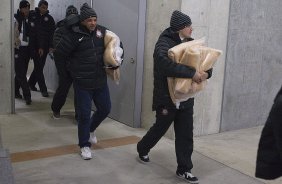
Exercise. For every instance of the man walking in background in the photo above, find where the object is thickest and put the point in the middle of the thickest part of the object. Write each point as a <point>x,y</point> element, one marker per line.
<point>43,27</point>
<point>65,79</point>
<point>22,52</point>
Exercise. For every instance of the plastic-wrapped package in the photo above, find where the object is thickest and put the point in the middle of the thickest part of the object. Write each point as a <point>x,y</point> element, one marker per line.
<point>197,56</point>
<point>112,55</point>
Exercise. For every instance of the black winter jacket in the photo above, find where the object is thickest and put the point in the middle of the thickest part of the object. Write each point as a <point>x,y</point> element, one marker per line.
<point>85,52</point>
<point>63,27</point>
<point>43,27</point>
<point>269,156</point>
<point>164,67</point>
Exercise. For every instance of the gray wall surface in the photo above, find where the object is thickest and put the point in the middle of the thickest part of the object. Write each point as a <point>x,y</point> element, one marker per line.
<point>209,20</point>
<point>253,64</point>
<point>6,64</point>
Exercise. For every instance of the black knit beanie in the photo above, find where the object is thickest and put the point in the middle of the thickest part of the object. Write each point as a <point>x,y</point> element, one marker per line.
<point>24,4</point>
<point>179,20</point>
<point>86,12</point>
<point>71,10</point>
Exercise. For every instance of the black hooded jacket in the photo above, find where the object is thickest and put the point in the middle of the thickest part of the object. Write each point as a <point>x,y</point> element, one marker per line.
<point>85,52</point>
<point>164,67</point>
<point>20,18</point>
<point>42,29</point>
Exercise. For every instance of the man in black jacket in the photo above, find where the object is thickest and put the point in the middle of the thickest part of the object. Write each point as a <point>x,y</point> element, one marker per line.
<point>43,27</point>
<point>65,79</point>
<point>22,53</point>
<point>269,155</point>
<point>180,30</point>
<point>84,46</point>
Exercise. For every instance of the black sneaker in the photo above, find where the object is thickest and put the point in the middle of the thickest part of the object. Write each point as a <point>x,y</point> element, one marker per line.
<point>45,94</point>
<point>28,101</point>
<point>187,176</point>
<point>18,95</point>
<point>33,88</point>
<point>144,159</point>
<point>56,115</point>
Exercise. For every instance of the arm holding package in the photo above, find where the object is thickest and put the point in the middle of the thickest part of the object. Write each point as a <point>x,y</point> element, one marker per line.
<point>168,67</point>
<point>113,55</point>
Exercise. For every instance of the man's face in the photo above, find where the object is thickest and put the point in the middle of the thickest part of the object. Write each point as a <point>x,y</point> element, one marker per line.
<point>43,9</point>
<point>90,23</point>
<point>25,11</point>
<point>186,32</point>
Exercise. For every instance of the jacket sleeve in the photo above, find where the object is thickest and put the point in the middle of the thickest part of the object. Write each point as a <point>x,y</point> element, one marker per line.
<point>168,67</point>
<point>209,73</point>
<point>66,45</point>
<point>51,33</point>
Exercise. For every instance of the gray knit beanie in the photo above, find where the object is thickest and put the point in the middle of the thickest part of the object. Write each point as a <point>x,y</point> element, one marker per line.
<point>179,21</point>
<point>86,12</point>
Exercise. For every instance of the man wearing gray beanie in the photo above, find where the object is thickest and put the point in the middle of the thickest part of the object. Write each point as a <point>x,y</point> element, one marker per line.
<point>180,30</point>
<point>83,45</point>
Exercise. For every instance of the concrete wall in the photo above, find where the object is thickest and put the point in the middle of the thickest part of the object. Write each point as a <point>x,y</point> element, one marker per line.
<point>6,64</point>
<point>157,19</point>
<point>210,19</point>
<point>253,63</point>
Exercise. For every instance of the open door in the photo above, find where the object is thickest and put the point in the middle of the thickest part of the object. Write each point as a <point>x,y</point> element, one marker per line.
<point>127,19</point>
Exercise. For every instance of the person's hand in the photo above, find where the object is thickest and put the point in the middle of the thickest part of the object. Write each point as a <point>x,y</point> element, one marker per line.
<point>40,52</point>
<point>197,77</point>
<point>204,75</point>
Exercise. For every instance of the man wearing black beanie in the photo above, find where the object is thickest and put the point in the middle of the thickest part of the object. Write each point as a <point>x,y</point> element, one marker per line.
<point>180,30</point>
<point>43,27</point>
<point>22,53</point>
<point>85,44</point>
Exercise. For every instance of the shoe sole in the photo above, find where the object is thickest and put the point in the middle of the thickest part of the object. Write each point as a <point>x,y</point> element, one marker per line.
<point>141,161</point>
<point>192,182</point>
<point>93,142</point>
<point>86,158</point>
<point>55,117</point>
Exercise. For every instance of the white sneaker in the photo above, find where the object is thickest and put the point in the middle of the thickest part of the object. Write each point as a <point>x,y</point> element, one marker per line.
<point>93,138</point>
<point>86,153</point>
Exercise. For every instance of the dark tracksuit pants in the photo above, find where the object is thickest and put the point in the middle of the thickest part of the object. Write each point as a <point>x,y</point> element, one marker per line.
<point>183,127</point>
<point>37,75</point>
<point>269,155</point>
<point>86,122</point>
<point>65,81</point>
<point>22,57</point>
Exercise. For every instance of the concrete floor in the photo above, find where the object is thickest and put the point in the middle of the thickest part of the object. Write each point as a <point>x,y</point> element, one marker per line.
<point>225,158</point>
